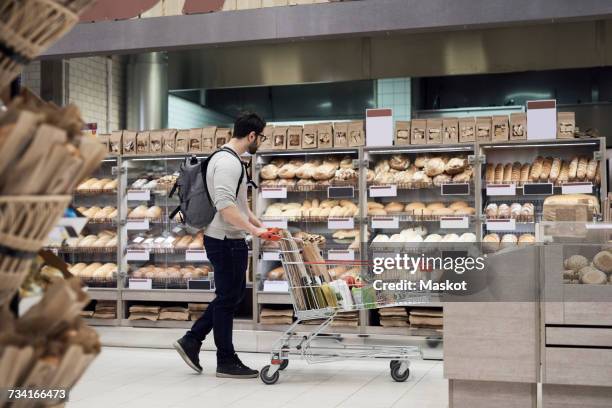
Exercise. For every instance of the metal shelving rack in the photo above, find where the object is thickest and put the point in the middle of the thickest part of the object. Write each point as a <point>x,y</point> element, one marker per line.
<point>478,154</point>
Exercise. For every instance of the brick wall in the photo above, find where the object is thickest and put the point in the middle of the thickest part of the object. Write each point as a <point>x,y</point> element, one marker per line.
<point>88,81</point>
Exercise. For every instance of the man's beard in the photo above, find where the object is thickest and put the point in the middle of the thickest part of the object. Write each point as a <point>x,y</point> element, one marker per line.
<point>252,148</point>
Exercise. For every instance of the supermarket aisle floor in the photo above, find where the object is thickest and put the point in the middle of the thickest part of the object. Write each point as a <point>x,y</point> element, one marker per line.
<point>156,378</point>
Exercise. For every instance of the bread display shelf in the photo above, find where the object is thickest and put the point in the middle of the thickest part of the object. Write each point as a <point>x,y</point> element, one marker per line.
<point>84,250</point>
<point>295,188</point>
<point>168,295</point>
<point>111,221</point>
<point>86,192</point>
<point>304,219</point>
<point>99,282</point>
<point>417,186</point>
<point>167,283</point>
<point>411,217</point>
<point>96,293</point>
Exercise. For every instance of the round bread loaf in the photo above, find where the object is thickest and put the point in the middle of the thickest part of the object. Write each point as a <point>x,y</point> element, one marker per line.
<point>399,162</point>
<point>434,166</point>
<point>592,276</point>
<point>603,261</point>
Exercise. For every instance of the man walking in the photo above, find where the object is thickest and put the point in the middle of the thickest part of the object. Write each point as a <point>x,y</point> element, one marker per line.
<point>226,248</point>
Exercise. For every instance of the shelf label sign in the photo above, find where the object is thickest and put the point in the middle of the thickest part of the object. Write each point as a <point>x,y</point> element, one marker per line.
<point>196,255</point>
<point>140,283</point>
<point>454,222</point>
<point>137,224</point>
<point>577,188</point>
<point>455,189</point>
<point>338,192</point>
<point>199,284</point>
<point>537,189</point>
<point>501,189</point>
<point>276,286</point>
<point>341,255</point>
<point>385,222</point>
<point>138,195</point>
<point>274,192</point>
<point>501,224</point>
<point>137,255</point>
<point>275,223</point>
<point>383,191</point>
<point>340,223</point>
<point>270,255</point>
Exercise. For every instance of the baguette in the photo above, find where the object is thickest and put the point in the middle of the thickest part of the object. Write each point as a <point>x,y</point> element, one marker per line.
<point>516,173</point>
<point>563,173</point>
<point>525,170</point>
<point>490,173</point>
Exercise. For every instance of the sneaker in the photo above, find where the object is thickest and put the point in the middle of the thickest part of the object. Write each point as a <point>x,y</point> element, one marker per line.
<point>235,369</point>
<point>189,350</point>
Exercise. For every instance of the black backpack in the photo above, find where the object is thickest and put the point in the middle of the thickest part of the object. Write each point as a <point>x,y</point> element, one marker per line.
<point>196,209</point>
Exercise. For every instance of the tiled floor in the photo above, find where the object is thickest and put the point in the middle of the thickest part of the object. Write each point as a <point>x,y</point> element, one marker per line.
<point>155,378</point>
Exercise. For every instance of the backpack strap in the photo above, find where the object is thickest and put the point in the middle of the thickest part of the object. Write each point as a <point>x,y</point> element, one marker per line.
<point>244,170</point>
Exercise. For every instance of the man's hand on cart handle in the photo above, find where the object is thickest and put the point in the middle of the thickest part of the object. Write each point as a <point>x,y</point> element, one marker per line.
<point>271,234</point>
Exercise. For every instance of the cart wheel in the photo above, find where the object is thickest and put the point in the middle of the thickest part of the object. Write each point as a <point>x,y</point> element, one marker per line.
<point>393,363</point>
<point>284,364</point>
<point>263,374</point>
<point>396,375</point>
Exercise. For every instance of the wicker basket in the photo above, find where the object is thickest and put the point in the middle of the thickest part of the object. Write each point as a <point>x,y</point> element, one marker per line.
<point>25,223</point>
<point>27,28</point>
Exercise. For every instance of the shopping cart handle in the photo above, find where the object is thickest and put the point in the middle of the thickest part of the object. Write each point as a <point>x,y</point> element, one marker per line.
<point>272,234</point>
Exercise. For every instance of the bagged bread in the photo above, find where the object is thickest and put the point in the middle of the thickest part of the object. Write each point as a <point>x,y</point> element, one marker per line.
<point>182,141</point>
<point>418,128</point>
<point>169,141</point>
<point>450,130</point>
<point>267,140</point>
<point>103,139</point>
<point>325,135</point>
<point>483,129</point>
<point>194,141</point>
<point>566,125</point>
<point>222,136</point>
<point>500,128</point>
<point>155,141</point>
<point>356,134</point>
<point>142,142</point>
<point>467,132</point>
<point>115,142</point>
<point>402,133</point>
<point>208,139</point>
<point>434,131</point>
<point>280,138</point>
<point>129,142</point>
<point>340,134</point>
<point>294,137</point>
<point>309,137</point>
<point>518,126</point>
<point>570,207</point>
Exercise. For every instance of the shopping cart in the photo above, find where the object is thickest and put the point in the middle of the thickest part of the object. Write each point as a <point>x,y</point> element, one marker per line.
<point>319,297</point>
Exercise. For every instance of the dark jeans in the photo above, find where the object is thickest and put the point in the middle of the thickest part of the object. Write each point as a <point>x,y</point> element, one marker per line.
<point>229,259</point>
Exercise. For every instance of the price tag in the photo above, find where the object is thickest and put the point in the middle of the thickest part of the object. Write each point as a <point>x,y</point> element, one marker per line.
<point>276,286</point>
<point>270,256</point>
<point>383,191</point>
<point>577,188</point>
<point>455,189</point>
<point>340,223</point>
<point>340,192</point>
<point>501,190</point>
<point>274,192</point>
<point>137,225</point>
<point>341,255</point>
<point>275,223</point>
<point>199,284</point>
<point>142,284</point>
<point>454,222</point>
<point>138,195</point>
<point>196,255</point>
<point>385,222</point>
<point>501,225</point>
<point>137,255</point>
<point>598,226</point>
<point>537,189</point>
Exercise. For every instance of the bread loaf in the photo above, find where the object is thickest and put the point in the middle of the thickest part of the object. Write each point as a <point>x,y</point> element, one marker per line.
<point>435,206</point>
<point>287,171</point>
<point>491,210</point>
<point>465,211</point>
<point>507,177</point>
<point>399,162</point>
<point>555,170</point>
<point>325,171</point>
<point>592,169</point>
<point>441,179</point>
<point>603,261</point>
<point>592,276</point>
<point>394,207</point>
<point>434,167</point>
<point>516,173</point>
<point>503,211</point>
<point>526,239</point>
<point>463,177</point>
<point>455,205</point>
<point>455,165</point>
<point>499,174</point>
<point>536,169</point>
<point>546,169</point>
<point>573,169</point>
<point>269,172</point>
<point>563,173</point>
<point>581,171</point>
<point>525,170</point>
<point>490,173</point>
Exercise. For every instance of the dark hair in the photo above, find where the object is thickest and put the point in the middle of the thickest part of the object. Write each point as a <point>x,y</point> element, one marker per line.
<point>247,123</point>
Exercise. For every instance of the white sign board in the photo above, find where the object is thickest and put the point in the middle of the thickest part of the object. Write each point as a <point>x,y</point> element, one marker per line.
<point>137,255</point>
<point>341,255</point>
<point>270,256</point>
<point>142,284</point>
<point>138,195</point>
<point>137,225</point>
<point>454,222</point>
<point>501,225</point>
<point>577,188</point>
<point>501,189</point>
<point>276,286</point>
<point>275,223</point>
<point>383,191</point>
<point>385,222</point>
<point>379,127</point>
<point>195,255</point>
<point>274,192</point>
<point>542,119</point>
<point>340,223</point>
